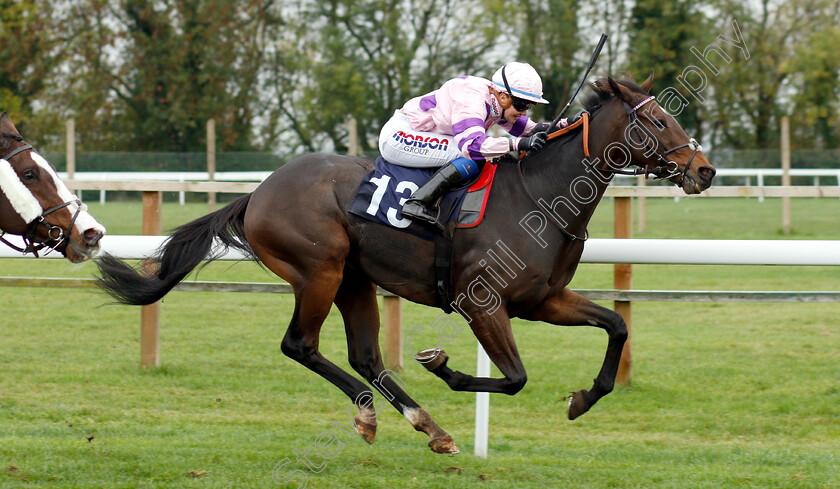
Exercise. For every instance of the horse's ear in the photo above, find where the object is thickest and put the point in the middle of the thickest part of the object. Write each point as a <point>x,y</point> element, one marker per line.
<point>6,124</point>
<point>647,84</point>
<point>618,90</point>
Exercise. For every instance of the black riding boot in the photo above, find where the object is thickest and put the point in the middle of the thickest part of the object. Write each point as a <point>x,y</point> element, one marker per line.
<point>422,203</point>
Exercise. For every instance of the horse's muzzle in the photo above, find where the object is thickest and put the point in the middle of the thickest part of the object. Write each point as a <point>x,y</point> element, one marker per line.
<point>85,247</point>
<point>698,178</point>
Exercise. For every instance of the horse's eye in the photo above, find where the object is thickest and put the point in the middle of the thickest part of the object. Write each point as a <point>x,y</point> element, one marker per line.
<point>29,176</point>
<point>661,123</point>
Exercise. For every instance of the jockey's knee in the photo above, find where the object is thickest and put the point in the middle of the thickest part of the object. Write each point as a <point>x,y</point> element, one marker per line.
<point>467,167</point>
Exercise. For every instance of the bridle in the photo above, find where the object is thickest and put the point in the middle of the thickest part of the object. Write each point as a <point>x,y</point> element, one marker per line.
<point>667,169</point>
<point>56,235</point>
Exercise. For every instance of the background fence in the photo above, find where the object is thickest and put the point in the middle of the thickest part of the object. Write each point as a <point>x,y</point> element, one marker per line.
<point>118,161</point>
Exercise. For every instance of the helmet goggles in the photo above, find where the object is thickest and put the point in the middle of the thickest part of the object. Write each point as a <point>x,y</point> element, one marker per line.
<point>520,104</point>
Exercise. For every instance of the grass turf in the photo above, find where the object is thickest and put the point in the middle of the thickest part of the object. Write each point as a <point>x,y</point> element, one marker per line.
<point>723,395</point>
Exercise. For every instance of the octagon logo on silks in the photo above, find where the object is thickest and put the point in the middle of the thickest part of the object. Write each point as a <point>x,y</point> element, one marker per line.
<point>421,142</point>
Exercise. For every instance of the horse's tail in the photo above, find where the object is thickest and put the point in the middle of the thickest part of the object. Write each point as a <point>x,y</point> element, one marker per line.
<point>182,252</point>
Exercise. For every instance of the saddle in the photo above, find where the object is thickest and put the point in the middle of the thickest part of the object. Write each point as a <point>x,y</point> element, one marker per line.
<point>384,190</point>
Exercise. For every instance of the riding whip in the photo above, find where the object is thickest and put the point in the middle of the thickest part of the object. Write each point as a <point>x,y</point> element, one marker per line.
<point>588,69</point>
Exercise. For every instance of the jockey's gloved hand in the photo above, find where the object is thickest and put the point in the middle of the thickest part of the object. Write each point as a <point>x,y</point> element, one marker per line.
<point>542,127</point>
<point>571,120</point>
<point>575,117</point>
<point>533,142</point>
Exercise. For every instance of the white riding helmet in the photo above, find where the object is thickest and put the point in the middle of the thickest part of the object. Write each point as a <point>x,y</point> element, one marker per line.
<point>520,80</point>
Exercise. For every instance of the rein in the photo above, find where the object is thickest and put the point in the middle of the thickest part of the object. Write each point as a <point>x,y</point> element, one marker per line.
<point>56,235</point>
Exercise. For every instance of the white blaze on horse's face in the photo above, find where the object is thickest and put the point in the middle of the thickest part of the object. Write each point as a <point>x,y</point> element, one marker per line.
<point>85,221</point>
<point>22,200</point>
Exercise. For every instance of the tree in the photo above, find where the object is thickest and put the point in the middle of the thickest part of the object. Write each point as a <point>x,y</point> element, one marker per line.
<point>662,33</point>
<point>146,75</point>
<point>367,58</point>
<point>611,17</point>
<point>27,57</point>
<point>549,41</point>
<point>816,104</point>
<point>750,94</point>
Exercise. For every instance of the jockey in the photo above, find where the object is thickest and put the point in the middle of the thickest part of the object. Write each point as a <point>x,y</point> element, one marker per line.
<point>447,129</point>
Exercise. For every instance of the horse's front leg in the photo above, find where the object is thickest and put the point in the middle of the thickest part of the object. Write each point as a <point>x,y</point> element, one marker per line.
<point>495,335</point>
<point>570,309</point>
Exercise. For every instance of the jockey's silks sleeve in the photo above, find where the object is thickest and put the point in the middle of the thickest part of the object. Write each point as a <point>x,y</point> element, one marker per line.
<point>465,108</point>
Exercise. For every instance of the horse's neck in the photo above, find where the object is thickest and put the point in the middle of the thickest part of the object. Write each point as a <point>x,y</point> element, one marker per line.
<point>566,184</point>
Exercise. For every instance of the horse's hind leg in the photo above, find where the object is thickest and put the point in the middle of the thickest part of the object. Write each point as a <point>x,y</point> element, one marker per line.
<point>570,309</point>
<point>313,300</point>
<point>356,299</point>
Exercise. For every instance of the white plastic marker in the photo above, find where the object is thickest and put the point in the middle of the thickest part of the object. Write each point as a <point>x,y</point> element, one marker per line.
<point>482,406</point>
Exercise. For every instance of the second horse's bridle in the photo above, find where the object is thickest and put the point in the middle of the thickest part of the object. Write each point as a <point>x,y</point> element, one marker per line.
<point>56,235</point>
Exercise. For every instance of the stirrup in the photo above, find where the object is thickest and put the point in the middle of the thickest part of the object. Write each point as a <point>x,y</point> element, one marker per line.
<point>423,215</point>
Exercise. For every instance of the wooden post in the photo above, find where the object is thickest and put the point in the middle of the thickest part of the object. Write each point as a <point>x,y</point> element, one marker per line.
<point>70,145</point>
<point>623,273</point>
<point>785,173</point>
<point>70,150</point>
<point>150,315</point>
<point>352,137</point>
<point>211,162</point>
<point>391,306</point>
<point>392,319</point>
<point>641,217</point>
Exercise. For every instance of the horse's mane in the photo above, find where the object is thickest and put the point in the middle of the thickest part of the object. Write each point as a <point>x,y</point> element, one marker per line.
<point>10,135</point>
<point>602,92</point>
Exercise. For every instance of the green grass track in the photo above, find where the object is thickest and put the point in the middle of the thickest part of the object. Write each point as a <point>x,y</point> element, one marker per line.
<point>735,395</point>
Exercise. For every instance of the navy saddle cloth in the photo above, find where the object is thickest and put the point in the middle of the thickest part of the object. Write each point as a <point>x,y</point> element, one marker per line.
<point>383,192</point>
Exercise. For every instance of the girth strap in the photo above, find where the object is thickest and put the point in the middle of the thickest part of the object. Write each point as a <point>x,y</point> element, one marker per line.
<point>443,271</point>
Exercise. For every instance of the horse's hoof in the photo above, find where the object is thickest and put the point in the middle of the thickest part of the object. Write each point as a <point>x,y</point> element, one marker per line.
<point>443,444</point>
<point>366,429</point>
<point>432,358</point>
<point>577,404</point>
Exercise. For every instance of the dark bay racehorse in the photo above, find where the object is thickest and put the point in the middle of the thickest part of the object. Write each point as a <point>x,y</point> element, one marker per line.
<point>35,203</point>
<point>296,223</point>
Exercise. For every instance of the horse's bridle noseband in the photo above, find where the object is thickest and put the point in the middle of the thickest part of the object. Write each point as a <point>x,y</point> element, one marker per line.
<point>667,169</point>
<point>56,236</point>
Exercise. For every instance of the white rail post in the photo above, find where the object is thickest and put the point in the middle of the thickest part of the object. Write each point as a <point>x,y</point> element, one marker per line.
<point>182,196</point>
<point>482,406</point>
<point>760,183</point>
<point>102,192</point>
